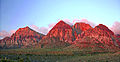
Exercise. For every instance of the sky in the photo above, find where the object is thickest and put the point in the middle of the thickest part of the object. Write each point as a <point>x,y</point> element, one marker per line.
<point>42,15</point>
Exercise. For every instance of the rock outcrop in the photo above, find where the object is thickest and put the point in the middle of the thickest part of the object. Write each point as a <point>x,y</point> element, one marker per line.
<point>23,37</point>
<point>100,36</point>
<point>61,35</point>
<point>80,27</point>
<point>61,32</point>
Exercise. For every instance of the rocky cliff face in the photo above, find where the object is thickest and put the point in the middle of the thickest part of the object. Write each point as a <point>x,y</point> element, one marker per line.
<point>79,27</point>
<point>100,36</point>
<point>61,32</point>
<point>23,37</point>
<point>4,43</point>
<point>61,35</point>
<point>118,39</point>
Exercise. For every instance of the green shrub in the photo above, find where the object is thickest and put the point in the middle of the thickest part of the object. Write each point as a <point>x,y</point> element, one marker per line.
<point>21,60</point>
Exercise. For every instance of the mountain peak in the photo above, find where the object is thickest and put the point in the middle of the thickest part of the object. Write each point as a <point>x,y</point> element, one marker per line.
<point>61,21</point>
<point>82,24</point>
<point>25,37</point>
<point>81,27</point>
<point>101,26</point>
<point>23,29</point>
<point>62,25</point>
<point>60,32</point>
<point>104,28</point>
<point>26,27</point>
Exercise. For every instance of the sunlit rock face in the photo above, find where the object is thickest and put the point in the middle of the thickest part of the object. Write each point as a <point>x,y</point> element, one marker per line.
<point>100,36</point>
<point>79,27</point>
<point>23,37</point>
<point>61,32</point>
<point>62,35</point>
<point>118,39</point>
<point>5,42</point>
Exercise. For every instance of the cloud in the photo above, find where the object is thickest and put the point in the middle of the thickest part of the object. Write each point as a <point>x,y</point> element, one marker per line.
<point>51,25</point>
<point>43,30</point>
<point>35,27</point>
<point>76,20</point>
<point>116,27</point>
<point>12,31</point>
<point>6,34</point>
<point>65,20</point>
<point>68,21</point>
<point>85,21</point>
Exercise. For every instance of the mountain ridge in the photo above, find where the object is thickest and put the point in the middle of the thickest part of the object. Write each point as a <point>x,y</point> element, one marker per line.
<point>62,35</point>
<point>23,37</point>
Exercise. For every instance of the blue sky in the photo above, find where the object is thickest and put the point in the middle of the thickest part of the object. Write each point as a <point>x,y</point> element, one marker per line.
<point>15,14</point>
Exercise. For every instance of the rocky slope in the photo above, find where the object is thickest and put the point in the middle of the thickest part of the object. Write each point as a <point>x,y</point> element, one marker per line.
<point>100,36</point>
<point>23,37</point>
<point>61,32</point>
<point>80,27</point>
<point>118,39</point>
<point>80,35</point>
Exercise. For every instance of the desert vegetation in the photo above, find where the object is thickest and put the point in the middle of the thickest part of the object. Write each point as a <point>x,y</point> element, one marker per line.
<point>57,55</point>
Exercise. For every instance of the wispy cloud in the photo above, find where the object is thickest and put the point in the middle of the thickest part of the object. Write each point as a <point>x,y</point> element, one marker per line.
<point>85,21</point>
<point>12,31</point>
<point>35,27</point>
<point>68,21</point>
<point>6,34</point>
<point>51,25</point>
<point>116,27</point>
<point>43,30</point>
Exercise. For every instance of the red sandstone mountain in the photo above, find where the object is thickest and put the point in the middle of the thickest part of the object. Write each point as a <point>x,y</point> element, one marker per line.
<point>79,27</point>
<point>100,36</point>
<point>61,32</point>
<point>118,39</point>
<point>62,35</point>
<point>23,37</point>
<point>118,35</point>
<point>4,43</point>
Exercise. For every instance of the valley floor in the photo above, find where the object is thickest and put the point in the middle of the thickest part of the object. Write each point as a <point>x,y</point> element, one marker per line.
<point>56,55</point>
